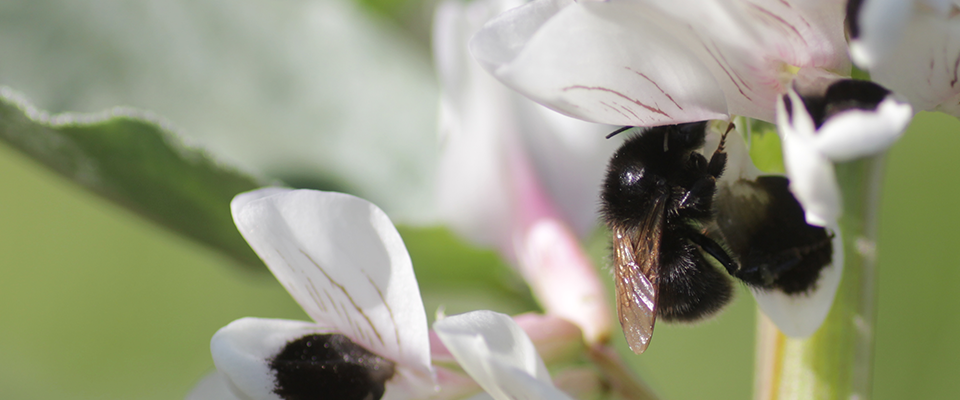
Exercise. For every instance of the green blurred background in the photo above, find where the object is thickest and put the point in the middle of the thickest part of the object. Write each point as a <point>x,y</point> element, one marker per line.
<point>96,303</point>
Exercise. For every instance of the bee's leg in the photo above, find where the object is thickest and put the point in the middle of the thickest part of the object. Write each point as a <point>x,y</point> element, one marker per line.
<point>718,162</point>
<point>714,250</point>
<point>719,159</point>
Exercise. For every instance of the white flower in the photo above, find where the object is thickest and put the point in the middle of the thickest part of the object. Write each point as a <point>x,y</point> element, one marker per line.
<point>852,119</point>
<point>911,47</point>
<point>647,63</point>
<point>496,352</point>
<point>517,176</point>
<point>343,261</point>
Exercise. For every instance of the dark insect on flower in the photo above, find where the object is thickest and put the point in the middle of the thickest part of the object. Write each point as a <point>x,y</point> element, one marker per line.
<point>661,202</point>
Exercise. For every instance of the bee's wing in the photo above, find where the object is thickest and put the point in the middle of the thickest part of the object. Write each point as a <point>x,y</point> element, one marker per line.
<point>636,255</point>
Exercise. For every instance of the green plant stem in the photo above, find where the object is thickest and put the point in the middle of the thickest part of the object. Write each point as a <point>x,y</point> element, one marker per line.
<point>624,383</point>
<point>836,362</point>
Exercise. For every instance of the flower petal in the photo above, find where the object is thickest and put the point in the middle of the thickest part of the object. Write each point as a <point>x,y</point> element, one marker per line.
<point>801,315</point>
<point>214,386</point>
<point>270,359</point>
<point>486,129</point>
<point>496,352</point>
<point>912,48</point>
<point>812,178</point>
<point>563,278</point>
<point>876,27</point>
<point>476,127</point>
<point>242,351</point>
<point>569,159</point>
<point>749,46</point>
<point>588,73</point>
<point>343,261</point>
<point>862,132</point>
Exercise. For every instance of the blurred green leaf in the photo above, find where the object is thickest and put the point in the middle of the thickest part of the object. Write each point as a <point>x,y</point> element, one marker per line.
<point>134,161</point>
<point>458,278</point>
<point>765,150</point>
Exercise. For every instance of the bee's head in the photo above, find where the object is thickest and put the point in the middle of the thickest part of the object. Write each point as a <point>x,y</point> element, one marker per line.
<point>686,137</point>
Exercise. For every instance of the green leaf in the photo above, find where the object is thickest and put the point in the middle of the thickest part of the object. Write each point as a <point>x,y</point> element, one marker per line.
<point>456,277</point>
<point>133,160</point>
<point>765,150</point>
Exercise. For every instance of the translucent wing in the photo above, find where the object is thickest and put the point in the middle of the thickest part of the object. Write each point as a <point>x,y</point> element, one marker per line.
<point>636,253</point>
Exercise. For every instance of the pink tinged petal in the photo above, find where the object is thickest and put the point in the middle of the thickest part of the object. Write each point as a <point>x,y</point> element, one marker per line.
<point>812,178</point>
<point>243,349</point>
<point>212,387</point>
<point>801,315</point>
<point>582,383</point>
<point>496,352</point>
<point>478,127</point>
<point>857,133</point>
<point>454,385</point>
<point>922,60</point>
<point>342,260</point>
<point>563,279</point>
<point>749,45</point>
<point>569,157</point>
<point>805,34</point>
<point>483,123</point>
<point>571,58</point>
<point>555,338</point>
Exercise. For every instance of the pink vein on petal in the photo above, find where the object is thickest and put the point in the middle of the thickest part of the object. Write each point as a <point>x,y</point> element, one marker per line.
<point>627,109</point>
<point>614,109</point>
<point>608,90</point>
<point>781,20</point>
<point>724,58</point>
<point>655,84</point>
<point>726,72</point>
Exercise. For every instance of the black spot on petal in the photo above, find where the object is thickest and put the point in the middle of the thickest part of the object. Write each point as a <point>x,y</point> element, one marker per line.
<point>788,104</point>
<point>844,95</point>
<point>853,16</point>
<point>329,367</point>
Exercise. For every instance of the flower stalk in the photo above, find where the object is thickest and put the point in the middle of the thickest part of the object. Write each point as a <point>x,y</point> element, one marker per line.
<point>836,362</point>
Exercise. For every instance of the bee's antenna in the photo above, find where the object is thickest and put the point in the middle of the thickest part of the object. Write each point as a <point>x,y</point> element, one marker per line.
<point>614,133</point>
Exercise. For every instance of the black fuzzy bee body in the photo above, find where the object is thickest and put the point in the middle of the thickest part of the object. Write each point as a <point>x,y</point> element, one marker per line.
<point>660,200</point>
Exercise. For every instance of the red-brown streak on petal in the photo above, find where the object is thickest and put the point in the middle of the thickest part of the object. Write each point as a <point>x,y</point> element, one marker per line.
<point>603,89</point>
<point>734,70</point>
<point>627,109</point>
<point>316,296</point>
<point>781,20</point>
<point>805,22</point>
<point>654,84</point>
<point>345,293</point>
<point>726,72</point>
<point>787,4</point>
<point>387,306</point>
<point>614,109</point>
